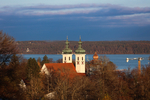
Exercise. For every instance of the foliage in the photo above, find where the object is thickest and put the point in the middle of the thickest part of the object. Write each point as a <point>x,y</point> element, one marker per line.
<point>39,59</point>
<point>32,68</point>
<point>7,48</point>
<point>45,60</point>
<point>35,89</point>
<point>106,83</point>
<point>102,47</point>
<point>10,78</point>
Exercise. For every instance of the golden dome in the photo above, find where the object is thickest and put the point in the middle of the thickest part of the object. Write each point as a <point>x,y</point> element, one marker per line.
<point>95,56</point>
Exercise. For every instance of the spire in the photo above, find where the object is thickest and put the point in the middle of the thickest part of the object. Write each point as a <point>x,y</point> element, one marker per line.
<point>80,50</point>
<point>67,50</point>
<point>80,38</point>
<point>67,43</point>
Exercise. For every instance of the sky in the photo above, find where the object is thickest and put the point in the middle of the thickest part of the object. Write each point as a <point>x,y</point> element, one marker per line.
<point>93,20</point>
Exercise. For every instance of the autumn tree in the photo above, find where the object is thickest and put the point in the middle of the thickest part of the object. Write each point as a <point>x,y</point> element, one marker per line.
<point>34,86</point>
<point>7,48</point>
<point>35,89</point>
<point>10,78</point>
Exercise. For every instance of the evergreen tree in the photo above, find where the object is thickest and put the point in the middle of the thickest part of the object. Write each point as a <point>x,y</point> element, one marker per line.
<point>32,68</point>
<point>14,61</point>
<point>35,87</point>
<point>45,60</point>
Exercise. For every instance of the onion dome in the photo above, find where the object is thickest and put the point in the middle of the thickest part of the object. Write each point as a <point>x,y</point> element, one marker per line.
<point>80,50</point>
<point>67,50</point>
<point>95,56</point>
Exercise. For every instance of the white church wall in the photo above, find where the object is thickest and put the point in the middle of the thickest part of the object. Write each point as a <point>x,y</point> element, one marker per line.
<point>67,58</point>
<point>80,63</point>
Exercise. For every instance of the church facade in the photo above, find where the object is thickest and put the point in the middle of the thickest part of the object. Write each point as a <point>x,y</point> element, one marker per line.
<point>78,69</point>
<point>79,56</point>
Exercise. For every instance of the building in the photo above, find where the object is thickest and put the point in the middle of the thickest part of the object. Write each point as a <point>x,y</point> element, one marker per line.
<point>80,58</point>
<point>67,65</point>
<point>67,53</point>
<point>63,67</point>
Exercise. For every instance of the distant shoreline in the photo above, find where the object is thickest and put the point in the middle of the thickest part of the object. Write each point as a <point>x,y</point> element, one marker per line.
<point>101,47</point>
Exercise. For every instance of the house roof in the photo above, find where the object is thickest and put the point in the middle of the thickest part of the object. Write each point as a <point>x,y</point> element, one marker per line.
<point>64,68</point>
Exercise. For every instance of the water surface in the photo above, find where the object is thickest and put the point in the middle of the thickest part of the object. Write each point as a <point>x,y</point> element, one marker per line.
<point>118,59</point>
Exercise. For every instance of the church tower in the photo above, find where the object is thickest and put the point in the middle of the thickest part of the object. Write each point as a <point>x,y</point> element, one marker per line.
<point>67,53</point>
<point>80,58</point>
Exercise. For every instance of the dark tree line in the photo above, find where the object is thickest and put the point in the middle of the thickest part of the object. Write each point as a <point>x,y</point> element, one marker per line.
<point>102,47</point>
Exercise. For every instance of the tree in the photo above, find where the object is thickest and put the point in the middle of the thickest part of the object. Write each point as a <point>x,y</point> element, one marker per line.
<point>39,62</point>
<point>50,60</point>
<point>59,61</point>
<point>39,59</point>
<point>35,89</point>
<point>7,48</point>
<point>45,60</point>
<point>34,86</point>
<point>32,68</point>
<point>10,77</point>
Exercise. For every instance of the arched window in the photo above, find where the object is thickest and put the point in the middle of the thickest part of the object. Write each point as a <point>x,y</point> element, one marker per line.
<point>78,58</point>
<point>65,58</point>
<point>69,58</point>
<point>82,58</point>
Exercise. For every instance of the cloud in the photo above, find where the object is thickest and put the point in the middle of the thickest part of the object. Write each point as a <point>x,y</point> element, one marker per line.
<point>105,14</point>
<point>102,9</point>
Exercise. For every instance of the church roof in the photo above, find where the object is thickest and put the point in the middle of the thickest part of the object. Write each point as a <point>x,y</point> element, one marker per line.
<point>95,56</point>
<point>64,69</point>
<point>80,50</point>
<point>67,50</point>
<point>61,66</point>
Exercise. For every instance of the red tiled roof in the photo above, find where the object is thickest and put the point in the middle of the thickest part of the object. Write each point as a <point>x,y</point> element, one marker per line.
<point>63,68</point>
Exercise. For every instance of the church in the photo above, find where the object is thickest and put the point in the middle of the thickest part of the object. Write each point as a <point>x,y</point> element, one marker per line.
<point>78,69</point>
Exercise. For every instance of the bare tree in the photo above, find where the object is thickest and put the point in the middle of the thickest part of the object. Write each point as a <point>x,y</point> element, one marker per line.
<point>35,89</point>
<point>7,48</point>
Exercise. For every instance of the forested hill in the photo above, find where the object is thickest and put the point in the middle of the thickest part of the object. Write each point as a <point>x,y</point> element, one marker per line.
<point>102,47</point>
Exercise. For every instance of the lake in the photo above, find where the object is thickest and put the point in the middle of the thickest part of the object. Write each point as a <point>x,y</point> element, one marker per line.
<point>118,59</point>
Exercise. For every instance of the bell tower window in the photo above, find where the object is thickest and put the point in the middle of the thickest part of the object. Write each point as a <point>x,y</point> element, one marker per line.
<point>78,62</point>
<point>69,58</point>
<point>82,62</point>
